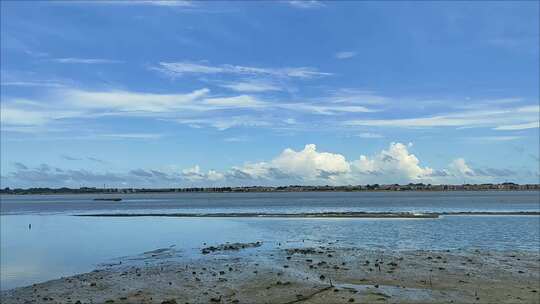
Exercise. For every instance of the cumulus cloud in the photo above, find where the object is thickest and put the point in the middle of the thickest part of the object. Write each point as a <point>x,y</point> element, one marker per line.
<point>311,164</point>
<point>394,164</point>
<point>195,174</point>
<point>308,165</point>
<point>459,167</point>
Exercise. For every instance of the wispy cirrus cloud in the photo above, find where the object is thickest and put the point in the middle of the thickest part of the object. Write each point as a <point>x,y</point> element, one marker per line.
<point>493,138</point>
<point>224,123</point>
<point>498,118</point>
<point>133,135</point>
<point>185,67</point>
<point>368,135</point>
<point>85,60</point>
<point>163,3</point>
<point>529,125</point>
<point>252,86</point>
<point>345,55</point>
<point>306,4</point>
<point>32,84</point>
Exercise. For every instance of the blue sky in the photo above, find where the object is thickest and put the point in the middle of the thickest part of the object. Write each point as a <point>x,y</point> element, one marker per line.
<point>176,93</point>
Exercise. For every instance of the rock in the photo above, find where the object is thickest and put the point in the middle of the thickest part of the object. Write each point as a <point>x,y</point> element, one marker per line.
<point>301,251</point>
<point>171,301</point>
<point>233,246</point>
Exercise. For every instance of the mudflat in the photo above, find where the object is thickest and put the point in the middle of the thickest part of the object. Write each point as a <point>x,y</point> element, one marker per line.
<point>243,273</point>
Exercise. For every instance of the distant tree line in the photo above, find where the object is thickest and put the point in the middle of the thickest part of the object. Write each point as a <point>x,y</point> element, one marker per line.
<point>290,188</point>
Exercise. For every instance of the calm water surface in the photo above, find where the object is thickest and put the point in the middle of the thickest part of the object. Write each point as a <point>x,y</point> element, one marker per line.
<point>59,244</point>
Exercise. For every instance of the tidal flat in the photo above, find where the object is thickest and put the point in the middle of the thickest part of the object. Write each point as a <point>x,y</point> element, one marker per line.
<point>307,248</point>
<point>244,273</point>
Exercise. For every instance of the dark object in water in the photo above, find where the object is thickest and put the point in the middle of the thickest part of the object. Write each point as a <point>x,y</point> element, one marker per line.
<point>114,199</point>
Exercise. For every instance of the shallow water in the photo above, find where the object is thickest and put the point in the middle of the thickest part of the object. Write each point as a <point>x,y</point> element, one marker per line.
<point>59,244</point>
<point>276,202</point>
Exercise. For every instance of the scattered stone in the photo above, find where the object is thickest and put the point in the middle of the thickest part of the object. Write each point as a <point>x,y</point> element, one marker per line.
<point>227,247</point>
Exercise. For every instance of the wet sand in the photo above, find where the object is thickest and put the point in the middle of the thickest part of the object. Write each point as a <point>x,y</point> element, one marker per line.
<point>244,273</point>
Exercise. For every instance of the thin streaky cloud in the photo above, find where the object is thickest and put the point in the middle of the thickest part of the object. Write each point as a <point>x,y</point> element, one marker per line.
<point>370,135</point>
<point>345,55</point>
<point>164,3</point>
<point>530,125</point>
<point>494,118</point>
<point>133,135</point>
<point>252,86</point>
<point>306,4</point>
<point>32,84</point>
<point>85,60</point>
<point>493,138</point>
<point>184,67</point>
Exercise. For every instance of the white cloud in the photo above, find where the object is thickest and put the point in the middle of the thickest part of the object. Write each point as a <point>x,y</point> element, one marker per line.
<point>306,4</point>
<point>134,135</point>
<point>323,109</point>
<point>345,55</point>
<point>252,86</point>
<point>355,96</point>
<point>311,164</point>
<point>306,165</point>
<point>85,60</point>
<point>396,163</point>
<point>224,123</point>
<point>370,135</point>
<point>242,101</point>
<point>180,68</point>
<point>495,118</point>
<point>132,101</point>
<point>529,125</point>
<point>170,3</point>
<point>494,138</point>
<point>27,116</point>
<point>32,84</point>
<point>236,139</point>
<point>163,3</point>
<point>195,174</point>
<point>459,167</point>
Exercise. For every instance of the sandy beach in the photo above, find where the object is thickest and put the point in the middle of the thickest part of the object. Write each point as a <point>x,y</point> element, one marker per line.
<point>243,273</point>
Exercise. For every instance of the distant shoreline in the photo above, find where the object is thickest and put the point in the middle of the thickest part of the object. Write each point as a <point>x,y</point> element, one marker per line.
<point>431,215</point>
<point>420,187</point>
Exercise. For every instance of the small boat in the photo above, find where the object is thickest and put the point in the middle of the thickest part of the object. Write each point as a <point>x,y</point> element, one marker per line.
<point>114,199</point>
